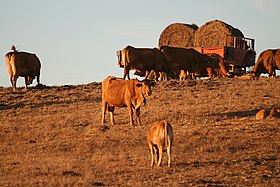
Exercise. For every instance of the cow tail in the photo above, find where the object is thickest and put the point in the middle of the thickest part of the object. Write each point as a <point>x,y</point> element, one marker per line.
<point>165,133</point>
<point>126,56</point>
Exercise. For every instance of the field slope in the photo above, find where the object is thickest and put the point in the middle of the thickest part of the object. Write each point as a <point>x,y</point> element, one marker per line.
<point>53,136</point>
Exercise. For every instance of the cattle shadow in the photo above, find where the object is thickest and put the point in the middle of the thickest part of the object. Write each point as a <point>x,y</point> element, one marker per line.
<point>255,160</point>
<point>47,103</point>
<point>22,105</point>
<point>244,113</point>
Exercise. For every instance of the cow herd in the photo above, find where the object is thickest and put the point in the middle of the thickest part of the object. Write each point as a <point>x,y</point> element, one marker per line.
<point>177,63</point>
<point>166,63</point>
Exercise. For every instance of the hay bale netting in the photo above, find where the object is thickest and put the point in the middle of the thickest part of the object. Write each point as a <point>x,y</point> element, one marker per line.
<point>178,35</point>
<point>212,34</point>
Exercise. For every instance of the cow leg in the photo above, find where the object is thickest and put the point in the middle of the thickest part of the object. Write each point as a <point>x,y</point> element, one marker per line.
<point>152,153</point>
<point>130,111</point>
<point>169,152</point>
<point>13,80</point>
<point>193,76</point>
<point>160,150</point>
<point>209,71</point>
<point>111,110</point>
<point>38,79</point>
<point>26,81</point>
<point>138,116</point>
<point>161,76</point>
<point>158,76</point>
<point>104,109</point>
<point>182,75</point>
<point>146,75</point>
<point>126,72</point>
<point>271,71</point>
<point>156,153</point>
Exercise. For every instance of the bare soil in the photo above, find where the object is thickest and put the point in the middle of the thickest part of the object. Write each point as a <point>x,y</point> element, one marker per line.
<point>52,136</point>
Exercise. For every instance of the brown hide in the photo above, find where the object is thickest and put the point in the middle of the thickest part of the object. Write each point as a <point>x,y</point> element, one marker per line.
<point>117,92</point>
<point>220,72</point>
<point>23,64</point>
<point>188,59</point>
<point>144,59</point>
<point>160,137</point>
<point>268,61</point>
<point>211,72</point>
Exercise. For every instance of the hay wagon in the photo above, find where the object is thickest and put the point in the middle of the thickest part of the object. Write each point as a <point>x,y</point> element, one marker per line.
<point>238,53</point>
<point>213,37</point>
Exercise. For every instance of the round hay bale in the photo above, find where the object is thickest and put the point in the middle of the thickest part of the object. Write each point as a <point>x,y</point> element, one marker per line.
<point>212,34</point>
<point>178,35</point>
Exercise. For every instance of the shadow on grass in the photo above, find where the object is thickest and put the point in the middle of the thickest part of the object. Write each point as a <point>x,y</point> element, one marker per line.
<point>246,113</point>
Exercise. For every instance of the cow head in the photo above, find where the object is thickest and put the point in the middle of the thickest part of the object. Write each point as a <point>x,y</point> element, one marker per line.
<point>119,55</point>
<point>214,62</point>
<point>145,86</point>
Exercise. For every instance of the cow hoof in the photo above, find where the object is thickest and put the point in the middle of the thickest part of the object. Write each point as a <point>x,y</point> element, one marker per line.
<point>104,128</point>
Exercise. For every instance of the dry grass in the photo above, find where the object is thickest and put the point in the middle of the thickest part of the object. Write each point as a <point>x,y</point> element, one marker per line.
<point>53,136</point>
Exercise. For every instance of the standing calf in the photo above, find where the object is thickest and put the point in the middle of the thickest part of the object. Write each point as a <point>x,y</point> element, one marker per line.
<point>160,137</point>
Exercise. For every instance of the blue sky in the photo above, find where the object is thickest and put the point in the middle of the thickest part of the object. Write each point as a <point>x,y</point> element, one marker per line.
<point>77,41</point>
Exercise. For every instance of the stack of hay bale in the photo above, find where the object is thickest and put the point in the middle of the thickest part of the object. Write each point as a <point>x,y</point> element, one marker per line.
<point>211,34</point>
<point>178,35</point>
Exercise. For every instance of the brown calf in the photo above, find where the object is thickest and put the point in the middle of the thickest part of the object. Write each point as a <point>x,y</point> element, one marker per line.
<point>160,137</point>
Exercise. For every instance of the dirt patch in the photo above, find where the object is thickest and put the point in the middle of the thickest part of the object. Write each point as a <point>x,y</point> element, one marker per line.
<point>52,136</point>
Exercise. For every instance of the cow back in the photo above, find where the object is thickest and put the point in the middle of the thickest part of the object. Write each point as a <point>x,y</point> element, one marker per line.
<point>23,63</point>
<point>277,58</point>
<point>140,58</point>
<point>188,59</point>
<point>159,133</point>
<point>119,92</point>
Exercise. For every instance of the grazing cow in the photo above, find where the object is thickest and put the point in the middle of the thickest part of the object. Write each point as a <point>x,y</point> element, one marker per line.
<point>222,71</point>
<point>268,61</point>
<point>188,59</point>
<point>144,59</point>
<point>211,72</point>
<point>23,64</point>
<point>160,138</point>
<point>117,92</point>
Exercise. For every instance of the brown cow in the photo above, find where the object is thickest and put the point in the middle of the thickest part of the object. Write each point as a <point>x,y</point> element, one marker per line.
<point>268,61</point>
<point>23,64</point>
<point>188,59</point>
<point>144,59</point>
<point>117,92</point>
<point>211,72</point>
<point>222,71</point>
<point>160,138</point>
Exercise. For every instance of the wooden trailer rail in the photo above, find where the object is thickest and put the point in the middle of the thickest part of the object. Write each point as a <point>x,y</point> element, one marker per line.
<point>239,42</point>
